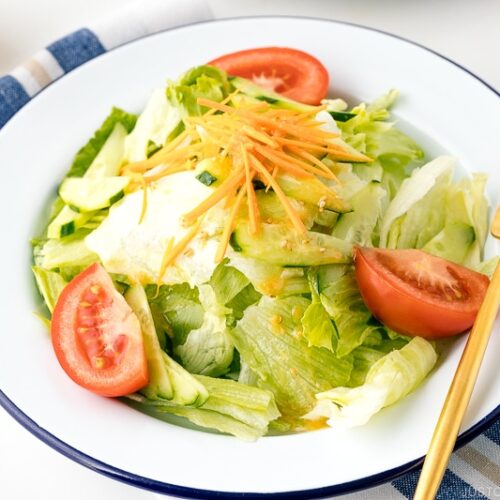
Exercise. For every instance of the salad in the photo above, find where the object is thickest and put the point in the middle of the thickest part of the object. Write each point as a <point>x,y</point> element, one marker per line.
<point>255,258</point>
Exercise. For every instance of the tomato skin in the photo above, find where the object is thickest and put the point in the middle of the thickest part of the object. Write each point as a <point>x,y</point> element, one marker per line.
<point>409,309</point>
<point>75,351</point>
<point>304,78</point>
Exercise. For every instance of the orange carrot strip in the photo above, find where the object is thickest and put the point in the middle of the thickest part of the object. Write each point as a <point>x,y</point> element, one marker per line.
<point>222,191</point>
<point>144,200</point>
<point>282,162</point>
<point>153,175</point>
<point>253,207</point>
<point>292,214</point>
<point>162,157</point>
<point>309,157</point>
<point>259,136</point>
<point>181,246</point>
<point>228,228</point>
<point>224,101</point>
<point>301,144</point>
<point>163,266</point>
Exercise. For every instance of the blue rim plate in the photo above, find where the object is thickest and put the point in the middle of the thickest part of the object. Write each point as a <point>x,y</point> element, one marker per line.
<point>184,491</point>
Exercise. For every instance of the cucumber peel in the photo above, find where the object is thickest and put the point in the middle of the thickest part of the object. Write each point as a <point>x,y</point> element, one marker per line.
<point>84,194</point>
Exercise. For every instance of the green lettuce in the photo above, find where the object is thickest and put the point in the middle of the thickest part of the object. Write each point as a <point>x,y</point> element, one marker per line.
<point>207,350</point>
<point>416,213</point>
<point>69,252</point>
<point>393,151</point>
<point>50,284</point>
<point>231,408</point>
<point>389,380</point>
<point>465,224</point>
<point>176,309</point>
<point>358,226</point>
<point>203,81</point>
<point>87,153</point>
<point>316,323</point>
<point>353,321</point>
<point>270,341</point>
<point>227,282</point>
<point>156,125</point>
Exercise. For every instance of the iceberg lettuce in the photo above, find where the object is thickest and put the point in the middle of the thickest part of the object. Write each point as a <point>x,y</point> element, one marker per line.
<point>388,380</point>
<point>207,350</point>
<point>416,210</point>
<point>231,408</point>
<point>465,227</point>
<point>270,341</point>
<point>353,320</point>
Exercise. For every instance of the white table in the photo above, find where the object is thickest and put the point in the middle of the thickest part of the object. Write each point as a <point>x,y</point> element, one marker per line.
<point>464,30</point>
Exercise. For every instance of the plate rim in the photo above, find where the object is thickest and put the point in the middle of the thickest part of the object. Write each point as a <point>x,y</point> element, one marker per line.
<point>187,492</point>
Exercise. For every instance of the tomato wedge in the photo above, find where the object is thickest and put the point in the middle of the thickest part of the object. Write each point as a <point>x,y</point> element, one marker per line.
<point>418,294</point>
<point>290,72</point>
<point>96,336</point>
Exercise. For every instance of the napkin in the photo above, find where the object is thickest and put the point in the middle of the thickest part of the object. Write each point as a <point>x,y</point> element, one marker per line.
<point>135,21</point>
<point>474,470</point>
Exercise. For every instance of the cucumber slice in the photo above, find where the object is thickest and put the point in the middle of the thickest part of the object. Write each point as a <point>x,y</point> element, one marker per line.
<point>109,159</point>
<point>167,379</point>
<point>84,194</point>
<point>341,116</point>
<point>249,89</point>
<point>213,171</point>
<point>313,191</point>
<point>66,223</point>
<point>106,163</point>
<point>278,244</point>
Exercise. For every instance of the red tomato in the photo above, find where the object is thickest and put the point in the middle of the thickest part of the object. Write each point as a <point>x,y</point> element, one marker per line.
<point>293,73</point>
<point>416,293</point>
<point>96,336</point>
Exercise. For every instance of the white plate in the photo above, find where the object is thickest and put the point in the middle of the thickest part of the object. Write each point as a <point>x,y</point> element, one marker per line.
<point>450,110</point>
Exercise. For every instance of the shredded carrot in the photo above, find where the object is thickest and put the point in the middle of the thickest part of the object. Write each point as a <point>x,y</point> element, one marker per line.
<point>177,249</point>
<point>292,214</point>
<point>144,200</point>
<point>309,157</point>
<point>164,265</point>
<point>226,187</point>
<point>253,207</point>
<point>224,101</point>
<point>228,228</point>
<point>283,162</point>
<point>259,136</point>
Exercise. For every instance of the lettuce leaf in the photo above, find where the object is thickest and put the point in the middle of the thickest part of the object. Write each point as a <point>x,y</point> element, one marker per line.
<point>353,321</point>
<point>231,408</point>
<point>416,213</point>
<point>388,380</point>
<point>316,323</point>
<point>392,150</point>
<point>50,284</point>
<point>358,226</point>
<point>462,238</point>
<point>156,124</point>
<point>203,81</point>
<point>227,282</point>
<point>207,350</point>
<point>87,153</point>
<point>179,306</point>
<point>270,341</point>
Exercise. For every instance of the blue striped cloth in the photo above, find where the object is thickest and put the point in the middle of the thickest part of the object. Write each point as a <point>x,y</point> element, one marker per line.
<point>474,470</point>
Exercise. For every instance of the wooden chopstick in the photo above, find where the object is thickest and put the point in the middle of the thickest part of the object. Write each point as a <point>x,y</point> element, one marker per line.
<point>457,400</point>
